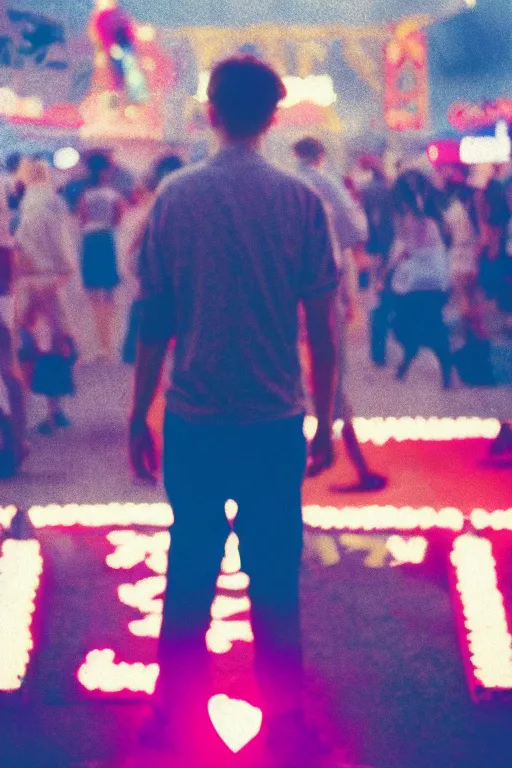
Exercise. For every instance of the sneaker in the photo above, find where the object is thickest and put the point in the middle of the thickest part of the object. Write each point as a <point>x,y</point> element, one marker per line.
<point>371,482</point>
<point>294,744</point>
<point>61,420</point>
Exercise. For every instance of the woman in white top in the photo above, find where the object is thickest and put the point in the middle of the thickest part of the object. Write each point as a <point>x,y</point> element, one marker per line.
<point>45,264</point>
<point>462,221</point>
<point>421,278</point>
<point>100,210</point>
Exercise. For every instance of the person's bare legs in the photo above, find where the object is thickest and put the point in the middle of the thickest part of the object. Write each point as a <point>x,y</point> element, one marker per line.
<point>109,315</point>
<point>96,302</point>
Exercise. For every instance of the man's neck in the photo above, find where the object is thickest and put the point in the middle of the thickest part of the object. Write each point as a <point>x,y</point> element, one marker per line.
<point>252,145</point>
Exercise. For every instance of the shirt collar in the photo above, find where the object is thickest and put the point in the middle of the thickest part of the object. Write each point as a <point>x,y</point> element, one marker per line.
<point>238,153</point>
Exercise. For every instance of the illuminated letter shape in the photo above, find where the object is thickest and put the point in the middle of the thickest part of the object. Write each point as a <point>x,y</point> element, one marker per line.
<point>21,566</point>
<point>133,548</point>
<point>101,673</point>
<point>143,593</point>
<point>101,515</point>
<point>407,550</point>
<point>222,634</point>
<point>236,721</point>
<point>6,517</point>
<point>223,607</point>
<point>484,627</point>
<point>376,548</point>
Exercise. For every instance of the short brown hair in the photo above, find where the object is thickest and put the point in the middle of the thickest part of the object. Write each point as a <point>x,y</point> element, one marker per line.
<point>245,92</point>
<point>309,149</point>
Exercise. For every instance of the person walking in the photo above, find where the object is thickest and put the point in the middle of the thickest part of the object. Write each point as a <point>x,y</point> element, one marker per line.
<point>45,264</point>
<point>348,231</point>
<point>13,421</point>
<point>100,210</point>
<point>420,282</point>
<point>162,168</point>
<point>233,247</point>
<point>377,203</point>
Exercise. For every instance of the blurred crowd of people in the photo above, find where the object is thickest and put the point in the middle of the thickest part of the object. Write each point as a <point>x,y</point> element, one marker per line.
<point>433,249</point>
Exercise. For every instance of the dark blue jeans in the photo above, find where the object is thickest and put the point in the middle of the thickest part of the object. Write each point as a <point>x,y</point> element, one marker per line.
<point>261,467</point>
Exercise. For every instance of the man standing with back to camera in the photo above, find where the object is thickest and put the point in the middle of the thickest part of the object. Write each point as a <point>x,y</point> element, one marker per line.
<point>233,246</point>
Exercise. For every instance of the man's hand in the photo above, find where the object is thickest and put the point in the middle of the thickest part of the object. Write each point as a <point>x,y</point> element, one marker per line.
<point>143,454</point>
<point>321,452</point>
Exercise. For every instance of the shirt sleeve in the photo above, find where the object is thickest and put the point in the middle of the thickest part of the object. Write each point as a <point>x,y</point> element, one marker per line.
<point>154,273</point>
<point>319,271</point>
<point>348,219</point>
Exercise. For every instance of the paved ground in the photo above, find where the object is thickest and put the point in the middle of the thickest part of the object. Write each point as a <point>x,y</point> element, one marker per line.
<point>382,638</point>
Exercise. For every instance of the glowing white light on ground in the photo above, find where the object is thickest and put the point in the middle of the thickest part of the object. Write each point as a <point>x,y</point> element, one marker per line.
<point>101,515</point>
<point>231,508</point>
<point>236,721</point>
<point>100,672</point>
<point>380,430</point>
<point>145,33</point>
<point>133,548</point>
<point>377,518</point>
<point>489,640</point>
<point>7,516</point>
<point>407,549</point>
<point>224,607</point>
<point>143,594</point>
<point>222,634</point>
<point>66,158</point>
<point>499,520</point>
<point>21,566</point>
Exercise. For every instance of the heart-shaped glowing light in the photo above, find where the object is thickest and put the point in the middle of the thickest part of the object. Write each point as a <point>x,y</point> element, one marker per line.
<point>237,722</point>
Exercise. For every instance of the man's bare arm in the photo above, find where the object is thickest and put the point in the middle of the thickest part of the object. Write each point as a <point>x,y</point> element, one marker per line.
<point>155,333</point>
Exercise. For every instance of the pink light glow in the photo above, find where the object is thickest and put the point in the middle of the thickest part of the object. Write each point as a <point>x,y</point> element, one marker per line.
<point>488,638</point>
<point>100,672</point>
<point>21,566</point>
<point>101,515</point>
<point>237,722</point>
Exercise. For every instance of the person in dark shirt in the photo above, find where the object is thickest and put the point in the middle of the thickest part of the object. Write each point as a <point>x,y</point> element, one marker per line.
<point>233,248</point>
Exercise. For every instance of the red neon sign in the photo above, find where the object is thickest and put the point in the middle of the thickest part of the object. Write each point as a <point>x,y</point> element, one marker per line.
<point>467,117</point>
